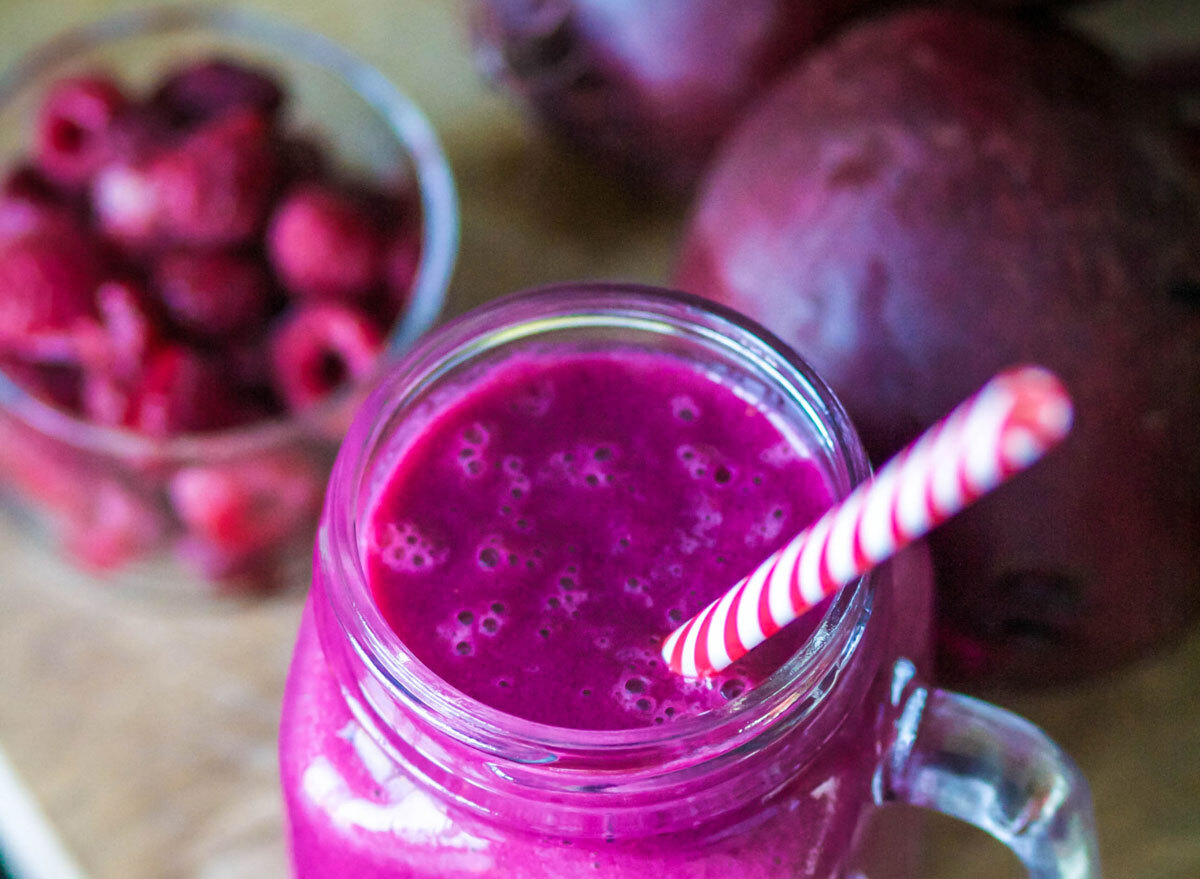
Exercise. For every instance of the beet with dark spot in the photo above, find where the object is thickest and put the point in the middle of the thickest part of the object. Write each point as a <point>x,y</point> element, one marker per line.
<point>938,195</point>
<point>650,86</point>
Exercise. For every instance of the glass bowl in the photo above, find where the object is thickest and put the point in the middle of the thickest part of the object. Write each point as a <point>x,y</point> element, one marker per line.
<point>228,511</point>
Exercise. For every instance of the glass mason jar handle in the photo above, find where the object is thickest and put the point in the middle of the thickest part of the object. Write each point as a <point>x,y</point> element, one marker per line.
<point>989,767</point>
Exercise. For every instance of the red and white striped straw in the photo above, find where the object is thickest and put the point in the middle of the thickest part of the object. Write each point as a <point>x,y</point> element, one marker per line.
<point>1004,428</point>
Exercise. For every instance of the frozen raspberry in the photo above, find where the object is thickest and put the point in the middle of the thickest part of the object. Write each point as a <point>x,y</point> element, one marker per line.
<point>249,505</point>
<point>320,346</point>
<point>214,295</point>
<point>181,391</point>
<point>47,281</point>
<point>214,188</point>
<point>210,88</point>
<point>73,125</point>
<point>323,244</point>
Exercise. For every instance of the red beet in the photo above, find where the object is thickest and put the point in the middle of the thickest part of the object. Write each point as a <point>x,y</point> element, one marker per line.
<point>935,196</point>
<point>650,86</point>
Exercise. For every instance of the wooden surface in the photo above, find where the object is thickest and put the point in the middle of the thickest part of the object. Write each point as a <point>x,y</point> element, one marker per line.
<point>147,733</point>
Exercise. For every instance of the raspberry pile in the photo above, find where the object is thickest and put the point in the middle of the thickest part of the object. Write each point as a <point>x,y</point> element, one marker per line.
<point>181,261</point>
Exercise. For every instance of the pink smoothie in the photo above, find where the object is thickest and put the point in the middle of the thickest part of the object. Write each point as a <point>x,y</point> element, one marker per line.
<point>531,545</point>
<point>542,535</point>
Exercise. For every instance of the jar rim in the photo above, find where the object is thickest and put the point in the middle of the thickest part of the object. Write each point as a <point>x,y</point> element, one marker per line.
<point>795,689</point>
<point>412,130</point>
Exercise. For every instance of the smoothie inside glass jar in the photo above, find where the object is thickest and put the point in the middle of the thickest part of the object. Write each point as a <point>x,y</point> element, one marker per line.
<point>522,511</point>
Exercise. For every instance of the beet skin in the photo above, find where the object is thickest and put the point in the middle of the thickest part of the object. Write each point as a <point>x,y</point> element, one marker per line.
<point>650,86</point>
<point>935,196</point>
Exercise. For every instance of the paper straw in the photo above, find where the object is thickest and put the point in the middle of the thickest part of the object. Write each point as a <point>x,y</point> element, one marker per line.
<point>1004,428</point>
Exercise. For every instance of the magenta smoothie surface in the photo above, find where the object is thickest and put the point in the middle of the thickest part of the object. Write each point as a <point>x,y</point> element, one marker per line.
<point>543,534</point>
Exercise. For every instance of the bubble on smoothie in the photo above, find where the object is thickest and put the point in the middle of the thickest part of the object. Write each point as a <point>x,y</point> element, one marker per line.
<point>696,460</point>
<point>470,462</point>
<point>602,637</point>
<point>469,452</point>
<point>517,487</point>
<point>768,528</point>
<point>732,688</point>
<point>567,592</point>
<point>673,709</point>
<point>632,694</point>
<point>684,408</point>
<point>492,553</point>
<point>517,482</point>
<point>459,632</point>
<point>708,517</point>
<point>583,466</point>
<point>404,548</point>
<point>635,589</point>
